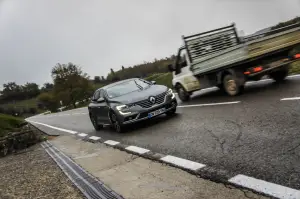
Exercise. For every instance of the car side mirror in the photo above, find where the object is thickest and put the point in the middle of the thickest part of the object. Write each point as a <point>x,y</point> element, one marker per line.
<point>101,100</point>
<point>153,82</point>
<point>171,68</point>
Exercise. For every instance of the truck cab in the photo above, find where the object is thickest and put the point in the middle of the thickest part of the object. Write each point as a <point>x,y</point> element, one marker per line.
<point>183,80</point>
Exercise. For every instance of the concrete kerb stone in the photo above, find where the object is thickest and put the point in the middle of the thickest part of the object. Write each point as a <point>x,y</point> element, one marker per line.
<point>207,172</point>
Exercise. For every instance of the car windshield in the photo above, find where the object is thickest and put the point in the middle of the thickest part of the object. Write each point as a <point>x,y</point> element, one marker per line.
<point>126,87</point>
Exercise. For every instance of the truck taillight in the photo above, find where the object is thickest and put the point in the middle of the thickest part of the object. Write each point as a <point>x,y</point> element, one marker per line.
<point>257,69</point>
<point>297,56</point>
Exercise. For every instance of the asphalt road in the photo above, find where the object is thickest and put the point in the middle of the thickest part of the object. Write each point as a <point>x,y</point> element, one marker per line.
<point>258,136</point>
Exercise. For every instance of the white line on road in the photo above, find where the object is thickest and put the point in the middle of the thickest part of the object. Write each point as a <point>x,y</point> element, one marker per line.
<point>183,162</point>
<point>290,98</point>
<point>53,127</point>
<point>111,142</point>
<point>210,104</point>
<point>271,189</point>
<point>137,149</point>
<point>95,138</point>
<point>82,134</point>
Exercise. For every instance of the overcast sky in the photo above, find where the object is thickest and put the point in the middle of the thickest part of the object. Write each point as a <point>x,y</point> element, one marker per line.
<point>103,34</point>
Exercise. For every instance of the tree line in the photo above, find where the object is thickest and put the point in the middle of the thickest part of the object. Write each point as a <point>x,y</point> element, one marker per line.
<point>71,85</point>
<point>141,70</point>
<point>286,23</point>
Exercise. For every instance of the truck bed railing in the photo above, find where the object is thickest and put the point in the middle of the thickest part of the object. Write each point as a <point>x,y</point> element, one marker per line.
<point>206,43</point>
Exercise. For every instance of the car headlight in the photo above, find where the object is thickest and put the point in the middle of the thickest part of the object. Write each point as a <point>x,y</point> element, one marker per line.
<point>123,109</point>
<point>170,93</point>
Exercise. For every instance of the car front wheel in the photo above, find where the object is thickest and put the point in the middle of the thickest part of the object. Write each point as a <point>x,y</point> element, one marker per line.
<point>116,123</point>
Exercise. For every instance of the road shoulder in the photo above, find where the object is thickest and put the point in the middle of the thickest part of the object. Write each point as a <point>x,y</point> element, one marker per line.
<point>133,176</point>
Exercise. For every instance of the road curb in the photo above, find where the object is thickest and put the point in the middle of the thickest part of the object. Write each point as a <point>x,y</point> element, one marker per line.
<point>228,178</point>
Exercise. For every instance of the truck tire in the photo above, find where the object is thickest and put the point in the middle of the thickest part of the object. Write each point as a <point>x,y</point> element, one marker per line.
<point>221,87</point>
<point>182,94</point>
<point>231,86</point>
<point>280,75</point>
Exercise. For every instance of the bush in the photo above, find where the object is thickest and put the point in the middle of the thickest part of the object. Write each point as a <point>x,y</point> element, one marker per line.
<point>48,101</point>
<point>32,110</point>
<point>9,123</point>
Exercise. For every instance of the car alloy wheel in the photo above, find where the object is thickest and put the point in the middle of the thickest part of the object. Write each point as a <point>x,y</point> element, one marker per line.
<point>116,123</point>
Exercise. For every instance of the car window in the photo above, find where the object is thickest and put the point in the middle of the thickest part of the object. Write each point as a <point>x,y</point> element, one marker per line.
<point>126,87</point>
<point>101,95</point>
<point>96,95</point>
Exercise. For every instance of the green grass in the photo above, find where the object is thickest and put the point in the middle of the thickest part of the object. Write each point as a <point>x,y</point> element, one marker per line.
<point>9,123</point>
<point>295,68</point>
<point>22,103</point>
<point>161,78</point>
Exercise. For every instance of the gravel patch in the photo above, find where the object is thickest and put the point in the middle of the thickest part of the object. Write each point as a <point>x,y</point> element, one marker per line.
<point>33,174</point>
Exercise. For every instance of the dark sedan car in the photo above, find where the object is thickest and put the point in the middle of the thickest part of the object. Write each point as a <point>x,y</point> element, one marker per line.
<point>129,101</point>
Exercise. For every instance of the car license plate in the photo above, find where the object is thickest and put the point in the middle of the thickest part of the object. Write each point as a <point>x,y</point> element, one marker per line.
<point>157,112</point>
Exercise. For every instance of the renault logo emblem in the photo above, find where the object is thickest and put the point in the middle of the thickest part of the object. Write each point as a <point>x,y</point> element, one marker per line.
<point>152,100</point>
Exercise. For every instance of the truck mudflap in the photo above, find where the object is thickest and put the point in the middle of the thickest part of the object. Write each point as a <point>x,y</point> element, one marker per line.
<point>277,65</point>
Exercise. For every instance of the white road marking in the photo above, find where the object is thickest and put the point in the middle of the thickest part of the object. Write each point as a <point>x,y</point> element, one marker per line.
<point>290,98</point>
<point>82,134</point>
<point>271,189</point>
<point>137,149</point>
<point>294,76</point>
<point>210,104</point>
<point>95,138</point>
<point>56,128</point>
<point>183,162</point>
<point>111,142</point>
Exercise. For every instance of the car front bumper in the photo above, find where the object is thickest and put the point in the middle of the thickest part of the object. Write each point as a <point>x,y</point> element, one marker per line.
<point>143,115</point>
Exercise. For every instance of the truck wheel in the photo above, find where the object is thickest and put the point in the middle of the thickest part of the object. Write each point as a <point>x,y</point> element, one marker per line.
<point>182,94</point>
<point>221,87</point>
<point>231,85</point>
<point>280,75</point>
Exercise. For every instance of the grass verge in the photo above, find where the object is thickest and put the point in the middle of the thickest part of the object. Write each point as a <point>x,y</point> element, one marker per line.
<point>9,123</point>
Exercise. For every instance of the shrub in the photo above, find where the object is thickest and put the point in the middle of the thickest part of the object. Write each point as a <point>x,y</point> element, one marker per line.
<point>9,123</point>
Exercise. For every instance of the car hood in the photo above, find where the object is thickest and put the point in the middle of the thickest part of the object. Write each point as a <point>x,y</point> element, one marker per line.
<point>139,95</point>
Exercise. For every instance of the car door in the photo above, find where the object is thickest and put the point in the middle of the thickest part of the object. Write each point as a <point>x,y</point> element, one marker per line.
<point>102,110</point>
<point>94,104</point>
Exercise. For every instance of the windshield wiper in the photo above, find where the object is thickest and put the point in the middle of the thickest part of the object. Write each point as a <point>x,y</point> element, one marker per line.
<point>139,86</point>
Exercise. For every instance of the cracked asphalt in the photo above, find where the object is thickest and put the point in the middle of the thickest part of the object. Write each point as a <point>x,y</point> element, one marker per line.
<point>258,137</point>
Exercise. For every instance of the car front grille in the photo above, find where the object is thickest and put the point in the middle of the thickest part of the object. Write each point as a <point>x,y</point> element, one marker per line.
<point>159,99</point>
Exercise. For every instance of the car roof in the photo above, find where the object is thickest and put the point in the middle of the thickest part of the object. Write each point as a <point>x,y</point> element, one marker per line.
<point>116,83</point>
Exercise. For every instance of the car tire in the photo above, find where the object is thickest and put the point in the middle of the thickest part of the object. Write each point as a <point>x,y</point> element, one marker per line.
<point>116,123</point>
<point>231,86</point>
<point>171,112</point>
<point>182,93</point>
<point>97,126</point>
